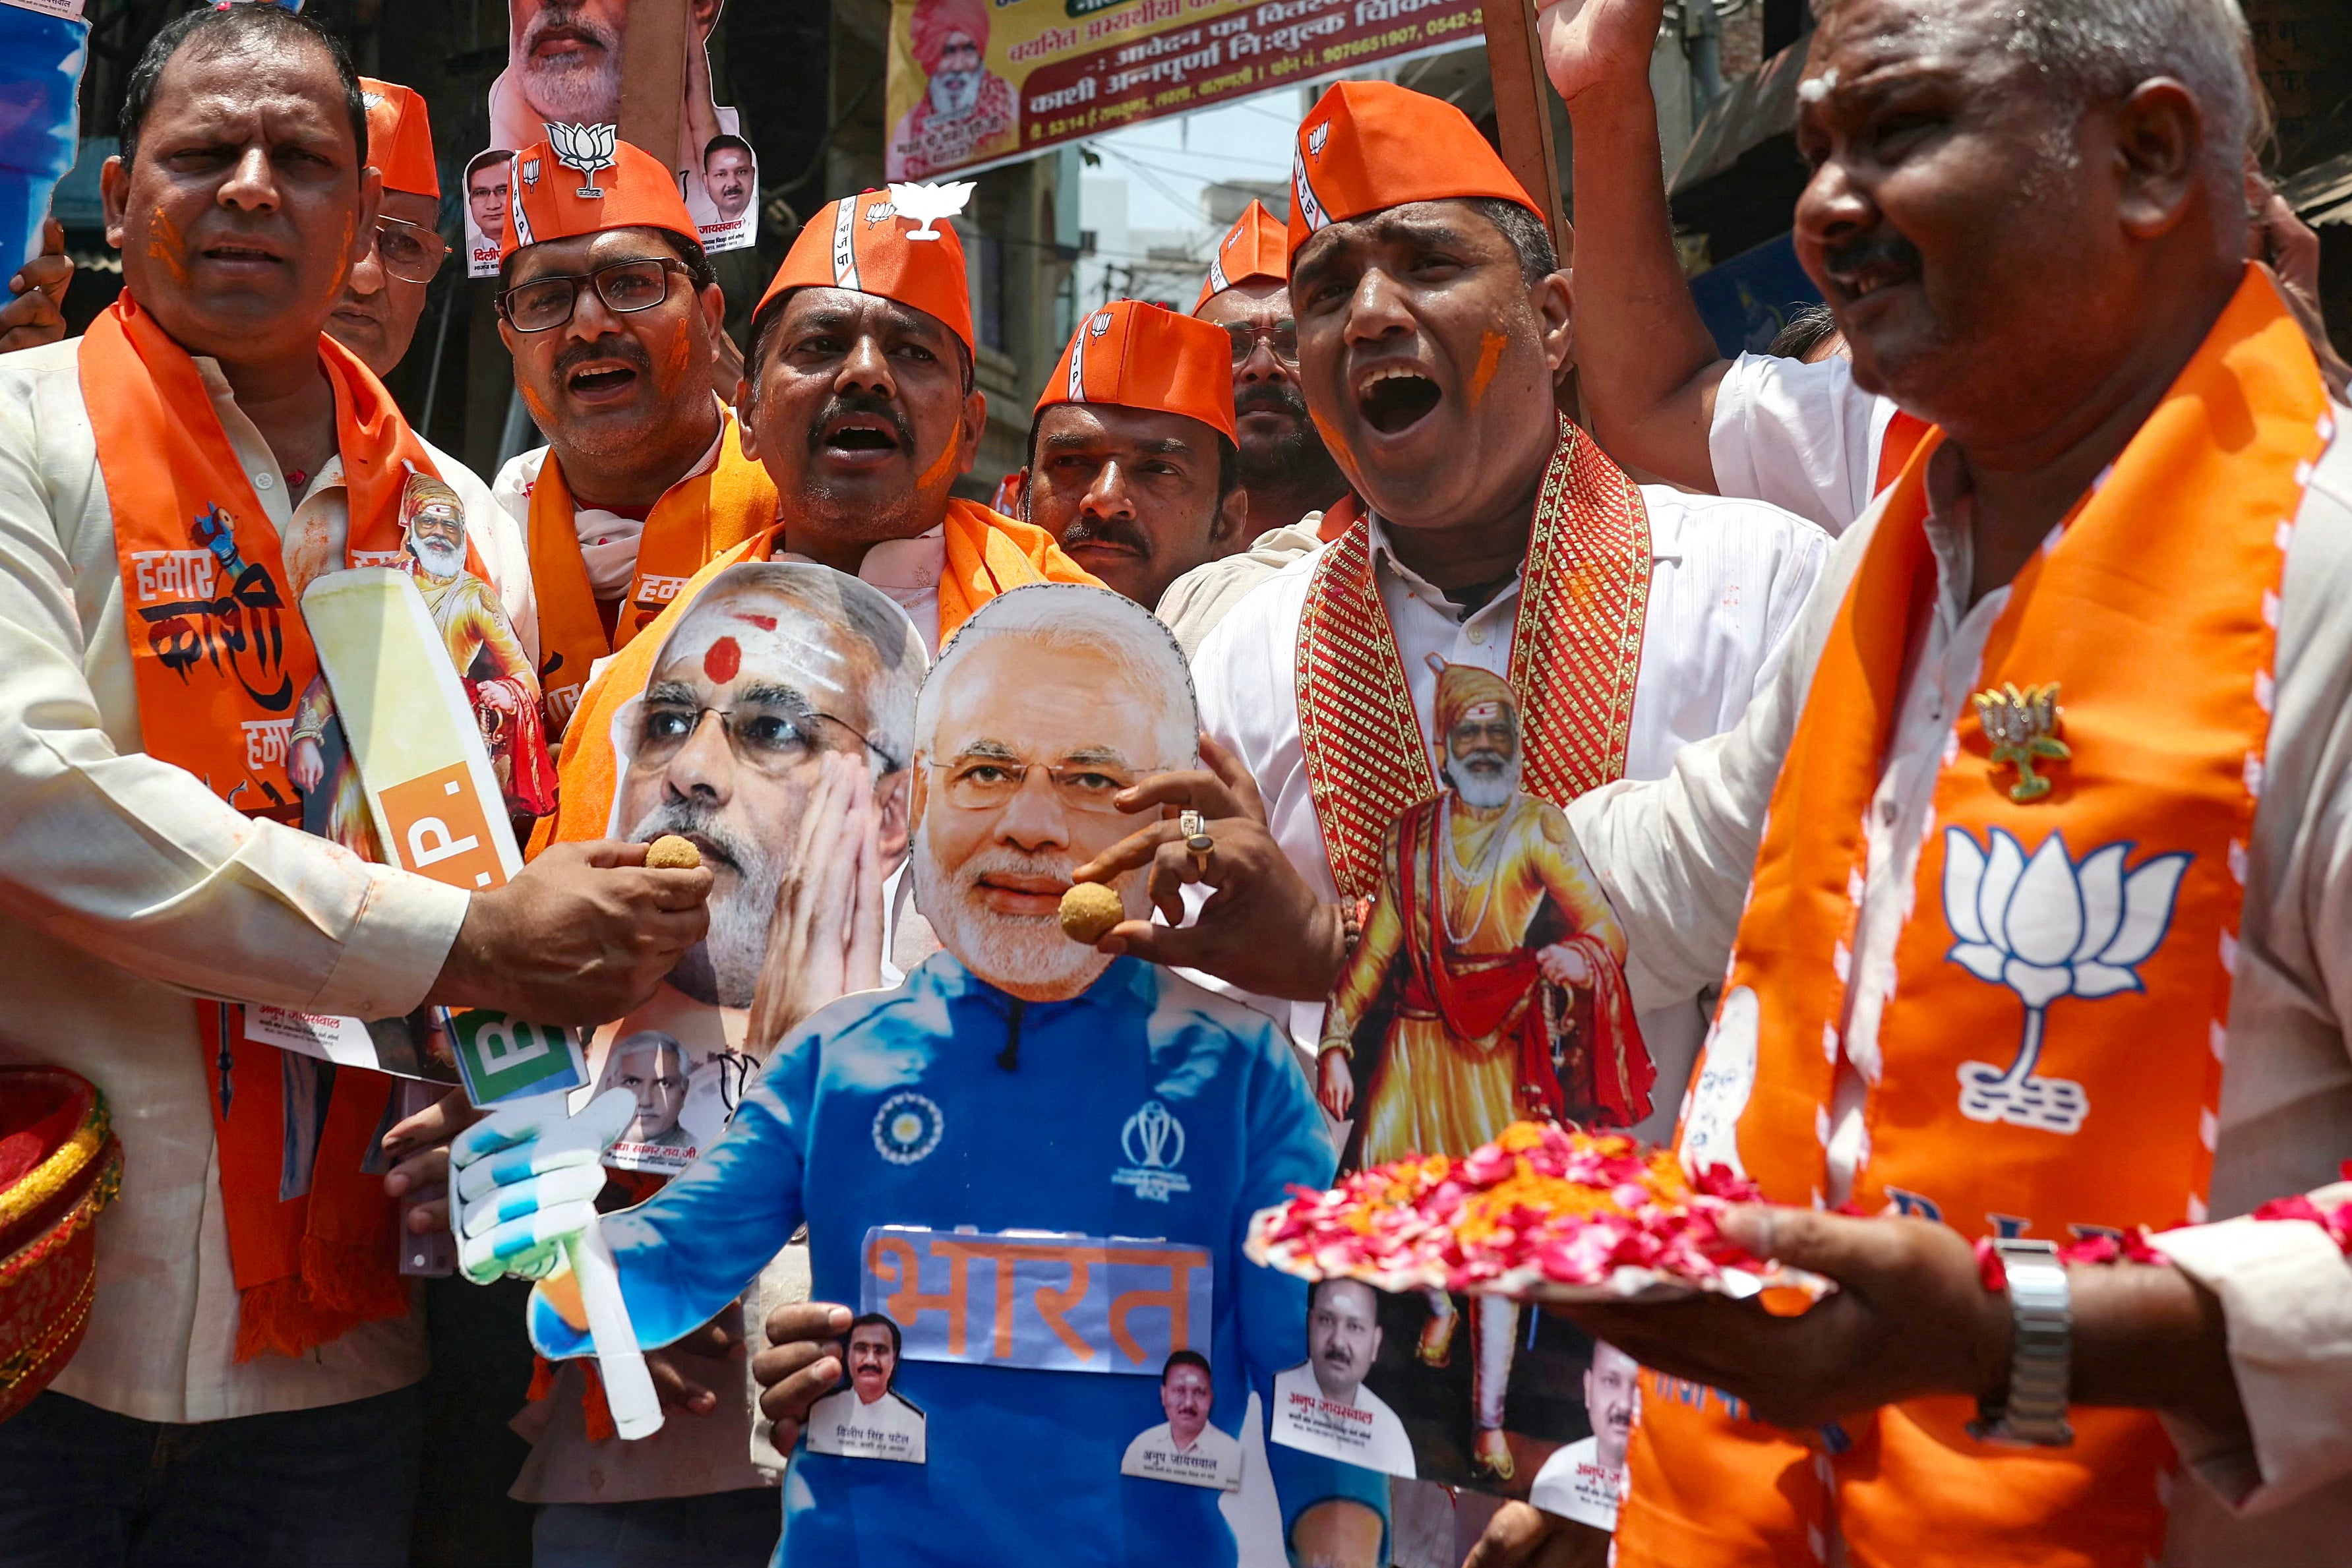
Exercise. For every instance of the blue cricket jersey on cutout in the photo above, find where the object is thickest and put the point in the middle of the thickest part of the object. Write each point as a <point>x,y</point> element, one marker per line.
<point>1023,1465</point>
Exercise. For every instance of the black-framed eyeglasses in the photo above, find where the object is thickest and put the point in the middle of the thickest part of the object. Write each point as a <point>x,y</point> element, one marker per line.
<point>409,251</point>
<point>1281,341</point>
<point>766,735</point>
<point>987,783</point>
<point>544,303</point>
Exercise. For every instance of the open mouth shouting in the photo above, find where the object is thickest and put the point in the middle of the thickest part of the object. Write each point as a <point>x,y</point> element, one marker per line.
<point>1392,398</point>
<point>603,373</point>
<point>861,433</point>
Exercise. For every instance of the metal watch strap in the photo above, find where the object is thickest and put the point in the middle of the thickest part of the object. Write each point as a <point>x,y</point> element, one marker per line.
<point>2033,1412</point>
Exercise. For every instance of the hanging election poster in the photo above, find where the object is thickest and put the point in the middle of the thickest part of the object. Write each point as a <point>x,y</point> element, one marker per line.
<point>973,84</point>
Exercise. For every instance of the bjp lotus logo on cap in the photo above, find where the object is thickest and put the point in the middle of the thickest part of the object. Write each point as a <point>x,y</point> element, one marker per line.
<point>1101,325</point>
<point>530,173</point>
<point>586,148</point>
<point>924,206</point>
<point>1315,138</point>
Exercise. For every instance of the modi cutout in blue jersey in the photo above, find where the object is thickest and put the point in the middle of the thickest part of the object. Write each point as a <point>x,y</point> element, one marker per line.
<point>1028,1169</point>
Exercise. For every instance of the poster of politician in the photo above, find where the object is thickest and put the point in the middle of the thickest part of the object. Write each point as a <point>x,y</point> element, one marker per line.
<point>563,68</point>
<point>1489,986</point>
<point>774,733</point>
<point>973,83</point>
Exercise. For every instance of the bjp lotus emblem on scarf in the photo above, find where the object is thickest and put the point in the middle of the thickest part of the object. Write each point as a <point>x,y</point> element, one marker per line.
<point>2049,927</point>
<point>584,148</point>
<point>2022,725</point>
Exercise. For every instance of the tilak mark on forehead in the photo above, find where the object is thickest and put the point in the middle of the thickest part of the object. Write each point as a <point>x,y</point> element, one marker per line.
<point>723,660</point>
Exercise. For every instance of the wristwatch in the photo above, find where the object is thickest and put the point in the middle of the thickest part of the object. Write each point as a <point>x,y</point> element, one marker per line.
<point>2033,1413</point>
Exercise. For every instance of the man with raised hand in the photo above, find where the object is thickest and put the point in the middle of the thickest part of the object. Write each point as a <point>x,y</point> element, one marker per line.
<point>858,400</point>
<point>1288,478</point>
<point>2056,946</point>
<point>246,1381</point>
<point>1021,1101</point>
<point>1131,459</point>
<point>1820,439</point>
<point>611,310</point>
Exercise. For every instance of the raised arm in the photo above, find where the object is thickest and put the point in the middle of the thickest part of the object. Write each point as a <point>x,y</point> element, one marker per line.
<point>1647,363</point>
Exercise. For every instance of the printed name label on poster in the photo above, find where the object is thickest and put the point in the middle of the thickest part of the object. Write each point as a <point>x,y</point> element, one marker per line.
<point>1037,1300</point>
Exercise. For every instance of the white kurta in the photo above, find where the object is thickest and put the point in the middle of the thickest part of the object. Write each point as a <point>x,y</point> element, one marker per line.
<point>125,885</point>
<point>1726,580</point>
<point>1803,436</point>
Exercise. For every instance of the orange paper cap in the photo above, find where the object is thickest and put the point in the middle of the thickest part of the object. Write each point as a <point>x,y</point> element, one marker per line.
<point>1257,246</point>
<point>631,189</point>
<point>400,138</point>
<point>866,244</point>
<point>1146,356</point>
<point>1369,145</point>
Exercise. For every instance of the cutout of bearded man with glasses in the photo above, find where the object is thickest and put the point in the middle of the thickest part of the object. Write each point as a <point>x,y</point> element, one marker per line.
<point>774,733</point>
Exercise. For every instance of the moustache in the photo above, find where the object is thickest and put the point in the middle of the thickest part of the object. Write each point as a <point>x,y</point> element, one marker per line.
<point>1114,530</point>
<point>1014,863</point>
<point>1870,250</point>
<point>1486,761</point>
<point>844,404</point>
<point>1270,397</point>
<point>689,818</point>
<point>612,345</point>
<point>572,15</point>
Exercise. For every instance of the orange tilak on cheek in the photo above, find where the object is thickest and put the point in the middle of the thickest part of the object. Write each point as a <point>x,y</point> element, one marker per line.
<point>672,375</point>
<point>1490,359</point>
<point>537,406</point>
<point>165,246</point>
<point>1332,441</point>
<point>942,467</point>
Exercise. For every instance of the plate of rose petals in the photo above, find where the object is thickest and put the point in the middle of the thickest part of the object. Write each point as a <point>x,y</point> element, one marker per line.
<point>1545,1213</point>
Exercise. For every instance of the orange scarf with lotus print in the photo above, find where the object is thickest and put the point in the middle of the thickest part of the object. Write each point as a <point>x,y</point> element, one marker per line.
<point>2049,1062</point>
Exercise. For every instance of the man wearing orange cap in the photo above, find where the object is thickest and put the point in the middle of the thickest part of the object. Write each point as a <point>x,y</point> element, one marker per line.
<point>610,308</point>
<point>1131,458</point>
<point>251,1339</point>
<point>1288,478</point>
<point>860,404</point>
<point>1433,328</point>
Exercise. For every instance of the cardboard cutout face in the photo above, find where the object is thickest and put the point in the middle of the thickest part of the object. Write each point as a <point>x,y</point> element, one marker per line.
<point>1048,703</point>
<point>774,733</point>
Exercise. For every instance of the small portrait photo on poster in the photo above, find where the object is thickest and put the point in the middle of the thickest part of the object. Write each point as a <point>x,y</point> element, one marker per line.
<point>485,209</point>
<point>867,1419</point>
<point>722,199</point>
<point>1185,1448</point>
<point>1582,1479</point>
<point>1321,1405</point>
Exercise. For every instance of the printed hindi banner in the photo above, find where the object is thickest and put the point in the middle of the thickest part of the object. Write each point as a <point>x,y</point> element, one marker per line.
<point>973,84</point>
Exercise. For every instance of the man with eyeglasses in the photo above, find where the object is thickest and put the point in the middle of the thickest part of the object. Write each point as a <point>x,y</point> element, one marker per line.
<point>1022,1100</point>
<point>611,310</point>
<point>1288,480</point>
<point>167,480</point>
<point>1131,459</point>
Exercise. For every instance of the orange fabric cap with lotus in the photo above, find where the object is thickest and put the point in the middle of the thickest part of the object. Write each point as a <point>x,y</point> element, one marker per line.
<point>587,180</point>
<point>1369,145</point>
<point>864,244</point>
<point>1146,356</point>
<point>400,138</point>
<point>1257,246</point>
